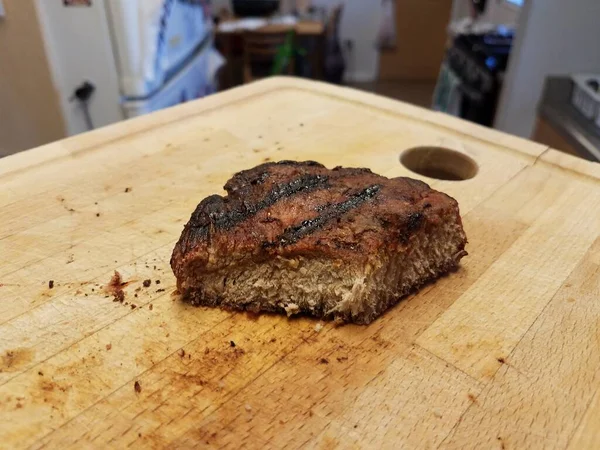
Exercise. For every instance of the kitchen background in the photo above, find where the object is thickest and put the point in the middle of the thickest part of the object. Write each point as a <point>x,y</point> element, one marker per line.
<point>522,66</point>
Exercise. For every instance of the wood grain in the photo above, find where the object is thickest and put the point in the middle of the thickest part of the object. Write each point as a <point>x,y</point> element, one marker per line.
<point>546,134</point>
<point>501,353</point>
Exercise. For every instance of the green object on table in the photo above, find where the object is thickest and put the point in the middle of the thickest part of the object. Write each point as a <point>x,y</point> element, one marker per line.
<point>285,53</point>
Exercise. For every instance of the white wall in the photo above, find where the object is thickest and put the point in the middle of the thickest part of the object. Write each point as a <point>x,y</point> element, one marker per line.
<point>553,37</point>
<point>78,46</point>
<point>360,24</point>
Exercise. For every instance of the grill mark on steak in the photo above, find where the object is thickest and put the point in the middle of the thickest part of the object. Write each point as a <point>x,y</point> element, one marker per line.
<point>212,213</point>
<point>293,234</point>
<point>413,223</point>
<point>244,178</point>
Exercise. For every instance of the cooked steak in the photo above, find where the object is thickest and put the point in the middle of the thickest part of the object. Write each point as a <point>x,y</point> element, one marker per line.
<point>300,238</point>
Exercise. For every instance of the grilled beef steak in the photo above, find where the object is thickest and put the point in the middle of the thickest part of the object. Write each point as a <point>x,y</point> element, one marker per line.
<point>300,238</point>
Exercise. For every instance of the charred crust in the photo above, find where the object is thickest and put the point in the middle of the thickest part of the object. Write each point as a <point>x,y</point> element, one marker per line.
<point>299,163</point>
<point>414,222</point>
<point>416,184</point>
<point>293,234</point>
<point>352,170</point>
<point>213,213</point>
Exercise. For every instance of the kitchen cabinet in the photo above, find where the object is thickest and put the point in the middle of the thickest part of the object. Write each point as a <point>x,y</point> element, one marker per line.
<point>420,42</point>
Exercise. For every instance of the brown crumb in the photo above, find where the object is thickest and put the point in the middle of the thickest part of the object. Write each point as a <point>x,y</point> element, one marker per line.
<point>150,307</point>
<point>133,306</point>
<point>160,290</point>
<point>501,360</point>
<point>50,284</point>
<point>206,351</point>
<point>157,281</point>
<point>181,353</point>
<point>154,267</point>
<point>147,283</point>
<point>231,344</point>
<point>137,387</point>
<point>115,287</point>
<point>97,214</point>
<point>310,413</point>
<point>472,397</point>
<point>40,373</point>
<point>342,358</point>
<point>324,361</point>
<point>135,295</point>
<point>139,434</point>
<point>127,189</point>
<point>273,340</point>
<point>108,347</point>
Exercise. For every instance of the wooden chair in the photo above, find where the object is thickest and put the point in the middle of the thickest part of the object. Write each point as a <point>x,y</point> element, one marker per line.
<point>261,47</point>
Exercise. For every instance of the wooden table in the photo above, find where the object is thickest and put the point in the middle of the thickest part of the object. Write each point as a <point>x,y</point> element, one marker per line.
<point>302,28</point>
<point>226,41</point>
<point>502,354</point>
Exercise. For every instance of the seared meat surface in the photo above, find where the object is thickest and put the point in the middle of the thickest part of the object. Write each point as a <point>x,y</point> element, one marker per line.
<point>298,237</point>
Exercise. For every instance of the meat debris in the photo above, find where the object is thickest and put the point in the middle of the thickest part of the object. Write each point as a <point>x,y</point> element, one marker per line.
<point>115,288</point>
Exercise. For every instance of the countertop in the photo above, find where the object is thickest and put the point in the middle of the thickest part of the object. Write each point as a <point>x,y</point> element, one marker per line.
<point>556,108</point>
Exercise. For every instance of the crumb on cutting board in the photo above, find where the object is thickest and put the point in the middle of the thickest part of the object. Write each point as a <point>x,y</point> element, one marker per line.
<point>115,287</point>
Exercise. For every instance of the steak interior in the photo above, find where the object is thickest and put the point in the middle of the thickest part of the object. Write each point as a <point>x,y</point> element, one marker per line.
<point>296,237</point>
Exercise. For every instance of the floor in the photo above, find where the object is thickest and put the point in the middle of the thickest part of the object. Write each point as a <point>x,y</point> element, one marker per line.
<point>416,92</point>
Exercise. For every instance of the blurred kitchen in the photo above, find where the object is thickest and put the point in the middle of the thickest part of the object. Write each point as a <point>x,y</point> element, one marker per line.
<point>526,67</point>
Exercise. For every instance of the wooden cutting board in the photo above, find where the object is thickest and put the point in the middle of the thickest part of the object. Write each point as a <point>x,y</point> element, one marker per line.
<point>505,353</point>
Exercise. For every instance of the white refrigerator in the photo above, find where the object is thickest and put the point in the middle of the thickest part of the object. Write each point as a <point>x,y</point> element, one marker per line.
<point>137,56</point>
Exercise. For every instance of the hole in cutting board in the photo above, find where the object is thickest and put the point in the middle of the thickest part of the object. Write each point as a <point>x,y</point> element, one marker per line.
<point>440,163</point>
